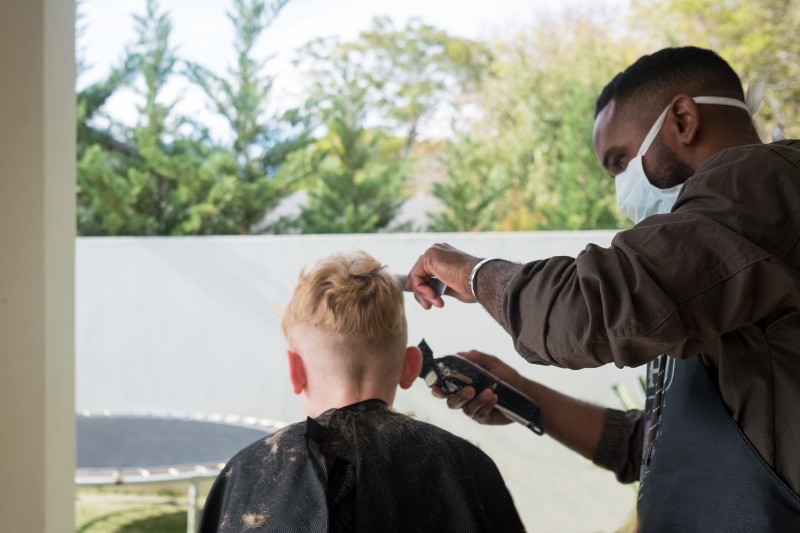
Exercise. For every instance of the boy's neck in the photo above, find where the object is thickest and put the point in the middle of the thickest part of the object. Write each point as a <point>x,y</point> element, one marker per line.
<point>337,398</point>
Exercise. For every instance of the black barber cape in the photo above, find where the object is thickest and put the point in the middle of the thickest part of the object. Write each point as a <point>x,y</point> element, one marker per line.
<point>361,468</point>
<point>699,471</point>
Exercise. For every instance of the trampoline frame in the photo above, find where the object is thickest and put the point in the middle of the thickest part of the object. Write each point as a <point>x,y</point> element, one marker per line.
<point>190,474</point>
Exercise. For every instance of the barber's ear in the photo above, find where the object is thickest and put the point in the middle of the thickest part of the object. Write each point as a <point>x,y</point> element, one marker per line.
<point>412,365</point>
<point>297,372</point>
<point>685,115</point>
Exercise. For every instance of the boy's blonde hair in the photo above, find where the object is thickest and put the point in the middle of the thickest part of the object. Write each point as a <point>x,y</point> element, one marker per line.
<point>353,297</point>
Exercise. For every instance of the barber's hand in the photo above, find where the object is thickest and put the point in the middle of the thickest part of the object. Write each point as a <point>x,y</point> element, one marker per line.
<point>481,408</point>
<point>450,266</point>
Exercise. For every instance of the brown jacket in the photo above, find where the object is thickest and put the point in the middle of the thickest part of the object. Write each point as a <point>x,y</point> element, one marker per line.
<point>719,276</point>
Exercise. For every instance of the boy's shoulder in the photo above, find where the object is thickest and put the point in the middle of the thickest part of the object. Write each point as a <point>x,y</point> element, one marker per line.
<point>281,444</point>
<point>426,434</point>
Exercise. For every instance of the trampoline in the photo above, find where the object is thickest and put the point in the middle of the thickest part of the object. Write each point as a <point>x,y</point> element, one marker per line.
<point>161,448</point>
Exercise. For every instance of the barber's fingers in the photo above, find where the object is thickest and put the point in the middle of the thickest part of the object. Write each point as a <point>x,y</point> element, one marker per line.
<point>418,282</point>
<point>456,400</point>
<point>460,398</point>
<point>450,266</point>
<point>426,296</point>
<point>481,406</point>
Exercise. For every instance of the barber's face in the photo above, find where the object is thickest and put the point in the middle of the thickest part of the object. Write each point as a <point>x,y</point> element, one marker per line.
<point>617,138</point>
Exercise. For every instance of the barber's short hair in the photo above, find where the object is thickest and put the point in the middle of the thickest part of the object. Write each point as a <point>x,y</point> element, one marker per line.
<point>351,295</point>
<point>648,85</point>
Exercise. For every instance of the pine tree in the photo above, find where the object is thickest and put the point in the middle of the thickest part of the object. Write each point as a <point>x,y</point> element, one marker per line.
<point>355,174</point>
<point>144,179</point>
<point>470,195</point>
<point>357,188</point>
<point>247,184</point>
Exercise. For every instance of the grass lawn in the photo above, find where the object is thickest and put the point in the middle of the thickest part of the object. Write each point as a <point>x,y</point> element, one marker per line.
<point>113,517</point>
<point>114,510</point>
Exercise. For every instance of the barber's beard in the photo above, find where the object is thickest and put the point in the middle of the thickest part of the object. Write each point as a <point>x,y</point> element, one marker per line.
<point>670,170</point>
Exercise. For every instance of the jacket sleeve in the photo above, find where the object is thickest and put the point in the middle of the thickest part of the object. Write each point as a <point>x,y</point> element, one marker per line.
<point>620,446</point>
<point>672,283</point>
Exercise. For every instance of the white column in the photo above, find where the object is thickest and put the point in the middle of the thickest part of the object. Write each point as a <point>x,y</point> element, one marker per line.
<point>37,235</point>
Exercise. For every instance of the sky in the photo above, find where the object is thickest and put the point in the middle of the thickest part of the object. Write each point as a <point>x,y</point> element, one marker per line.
<point>203,34</point>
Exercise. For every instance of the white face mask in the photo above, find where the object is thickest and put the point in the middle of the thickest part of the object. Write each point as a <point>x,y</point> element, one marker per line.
<point>636,196</point>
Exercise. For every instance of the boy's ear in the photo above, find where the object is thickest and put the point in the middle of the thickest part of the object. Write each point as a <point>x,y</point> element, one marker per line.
<point>297,372</point>
<point>412,365</point>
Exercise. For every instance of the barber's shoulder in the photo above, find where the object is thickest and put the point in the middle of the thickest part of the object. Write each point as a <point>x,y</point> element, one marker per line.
<point>748,161</point>
<point>735,155</point>
<point>788,149</point>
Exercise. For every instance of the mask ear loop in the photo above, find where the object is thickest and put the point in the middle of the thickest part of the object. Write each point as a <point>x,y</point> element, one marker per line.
<point>754,95</point>
<point>777,132</point>
<point>654,131</point>
<point>753,98</point>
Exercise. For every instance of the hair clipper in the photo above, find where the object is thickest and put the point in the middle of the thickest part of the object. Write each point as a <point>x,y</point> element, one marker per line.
<point>453,372</point>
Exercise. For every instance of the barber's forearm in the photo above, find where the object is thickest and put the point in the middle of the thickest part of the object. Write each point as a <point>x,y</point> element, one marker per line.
<point>490,282</point>
<point>576,424</point>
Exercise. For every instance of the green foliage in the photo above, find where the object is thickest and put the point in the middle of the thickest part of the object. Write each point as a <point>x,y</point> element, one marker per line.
<point>518,155</point>
<point>164,176</point>
<point>758,38</point>
<point>416,69</point>
<point>566,185</point>
<point>247,185</point>
<point>356,179</point>
<point>469,193</point>
<point>387,82</point>
<point>145,183</point>
<point>538,110</point>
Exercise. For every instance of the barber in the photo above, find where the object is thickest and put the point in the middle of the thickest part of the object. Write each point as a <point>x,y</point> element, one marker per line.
<point>704,290</point>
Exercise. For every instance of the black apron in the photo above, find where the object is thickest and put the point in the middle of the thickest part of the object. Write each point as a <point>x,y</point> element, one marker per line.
<point>699,471</point>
